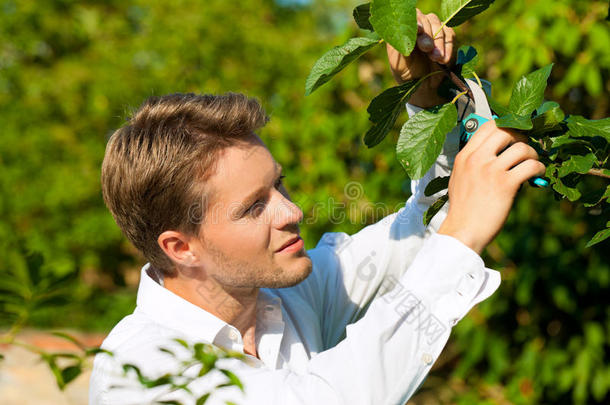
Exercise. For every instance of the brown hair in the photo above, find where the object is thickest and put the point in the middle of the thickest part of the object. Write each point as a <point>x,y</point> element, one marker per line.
<point>155,166</point>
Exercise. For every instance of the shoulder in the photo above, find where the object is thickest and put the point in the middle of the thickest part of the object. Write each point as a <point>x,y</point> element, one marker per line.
<point>135,340</point>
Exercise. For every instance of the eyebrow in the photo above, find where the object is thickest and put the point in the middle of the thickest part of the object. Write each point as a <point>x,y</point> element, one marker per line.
<point>256,193</point>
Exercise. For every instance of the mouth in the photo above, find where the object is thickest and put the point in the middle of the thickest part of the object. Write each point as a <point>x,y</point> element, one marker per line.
<point>292,245</point>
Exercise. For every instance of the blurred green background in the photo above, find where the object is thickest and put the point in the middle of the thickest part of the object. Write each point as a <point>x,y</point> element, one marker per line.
<point>71,70</point>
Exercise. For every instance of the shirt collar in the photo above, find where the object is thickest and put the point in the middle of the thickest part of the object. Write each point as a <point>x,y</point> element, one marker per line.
<point>173,311</point>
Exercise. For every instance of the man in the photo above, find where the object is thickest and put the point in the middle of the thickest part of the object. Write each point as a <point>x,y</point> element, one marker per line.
<point>358,320</point>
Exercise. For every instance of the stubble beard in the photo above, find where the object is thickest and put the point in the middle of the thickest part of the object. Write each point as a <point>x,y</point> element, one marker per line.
<point>237,273</point>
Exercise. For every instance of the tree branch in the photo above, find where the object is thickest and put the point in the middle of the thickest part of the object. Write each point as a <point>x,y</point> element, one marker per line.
<point>598,172</point>
<point>456,80</point>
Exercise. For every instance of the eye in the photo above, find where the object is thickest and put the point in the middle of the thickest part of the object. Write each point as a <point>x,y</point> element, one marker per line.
<point>256,208</point>
<point>279,182</point>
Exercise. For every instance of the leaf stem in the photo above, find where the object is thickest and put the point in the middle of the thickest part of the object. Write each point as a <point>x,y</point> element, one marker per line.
<point>478,80</point>
<point>598,172</point>
<point>440,29</point>
<point>458,96</point>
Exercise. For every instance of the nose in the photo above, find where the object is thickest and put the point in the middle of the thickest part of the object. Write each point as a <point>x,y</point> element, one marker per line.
<point>287,212</point>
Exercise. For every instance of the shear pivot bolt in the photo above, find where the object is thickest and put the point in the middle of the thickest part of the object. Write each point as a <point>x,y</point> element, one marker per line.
<point>471,125</point>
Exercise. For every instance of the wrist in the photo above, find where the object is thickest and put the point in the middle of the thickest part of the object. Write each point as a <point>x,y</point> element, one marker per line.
<point>461,234</point>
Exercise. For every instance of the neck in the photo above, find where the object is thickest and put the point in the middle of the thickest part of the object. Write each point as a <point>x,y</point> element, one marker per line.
<point>234,305</point>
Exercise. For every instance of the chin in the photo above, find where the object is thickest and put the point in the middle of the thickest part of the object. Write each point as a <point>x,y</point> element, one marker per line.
<point>292,274</point>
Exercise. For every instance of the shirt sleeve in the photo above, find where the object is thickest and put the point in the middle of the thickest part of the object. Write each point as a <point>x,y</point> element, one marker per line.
<point>349,271</point>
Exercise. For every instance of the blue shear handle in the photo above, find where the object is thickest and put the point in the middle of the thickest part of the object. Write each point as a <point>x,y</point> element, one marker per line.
<point>470,125</point>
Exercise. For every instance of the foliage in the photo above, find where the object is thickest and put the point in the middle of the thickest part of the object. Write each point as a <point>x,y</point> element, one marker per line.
<point>200,355</point>
<point>421,137</point>
<point>70,70</point>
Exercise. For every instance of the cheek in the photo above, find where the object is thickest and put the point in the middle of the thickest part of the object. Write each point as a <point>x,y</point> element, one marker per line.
<point>245,236</point>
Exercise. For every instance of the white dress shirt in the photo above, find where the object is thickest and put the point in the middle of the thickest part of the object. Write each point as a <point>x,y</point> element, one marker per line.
<point>364,328</point>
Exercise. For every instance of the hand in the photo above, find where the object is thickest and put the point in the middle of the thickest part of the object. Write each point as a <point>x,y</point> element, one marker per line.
<point>424,58</point>
<point>486,176</point>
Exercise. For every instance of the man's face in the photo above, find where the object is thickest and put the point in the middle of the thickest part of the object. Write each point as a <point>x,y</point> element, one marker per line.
<point>250,235</point>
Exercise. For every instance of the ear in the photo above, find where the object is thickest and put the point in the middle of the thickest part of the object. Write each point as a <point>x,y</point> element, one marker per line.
<point>179,248</point>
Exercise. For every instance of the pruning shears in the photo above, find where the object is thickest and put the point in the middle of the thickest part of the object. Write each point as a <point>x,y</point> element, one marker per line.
<point>482,113</point>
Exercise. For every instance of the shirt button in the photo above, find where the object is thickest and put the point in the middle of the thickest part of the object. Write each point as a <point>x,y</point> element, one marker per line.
<point>269,308</point>
<point>427,358</point>
<point>454,322</point>
<point>233,335</point>
<point>471,275</point>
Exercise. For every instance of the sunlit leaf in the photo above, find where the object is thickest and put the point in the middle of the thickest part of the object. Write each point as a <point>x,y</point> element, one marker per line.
<point>549,118</point>
<point>514,121</point>
<point>580,126</point>
<point>528,92</point>
<point>333,61</point>
<point>422,137</point>
<point>576,164</point>
<point>396,22</point>
<point>455,12</point>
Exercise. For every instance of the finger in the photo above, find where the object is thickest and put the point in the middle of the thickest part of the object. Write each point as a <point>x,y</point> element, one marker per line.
<point>482,133</point>
<point>420,26</point>
<point>438,53</point>
<point>499,139</point>
<point>525,171</point>
<point>449,45</point>
<point>515,154</point>
<point>424,39</point>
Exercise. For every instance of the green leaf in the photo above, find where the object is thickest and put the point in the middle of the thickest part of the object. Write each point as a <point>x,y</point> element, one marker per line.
<point>422,137</point>
<point>514,121</point>
<point>396,22</point>
<point>435,208</point>
<point>528,92</point>
<point>233,379</point>
<point>580,126</point>
<point>50,360</point>
<point>576,164</point>
<point>202,399</point>
<point>385,108</point>
<point>182,343</point>
<point>468,58</point>
<point>92,351</point>
<point>436,185</point>
<point>566,139</point>
<point>546,106</point>
<point>548,119</point>
<point>167,351</point>
<point>571,193</point>
<point>455,12</point>
<point>599,237</point>
<point>333,61</point>
<point>498,108</point>
<point>361,14</point>
<point>70,373</point>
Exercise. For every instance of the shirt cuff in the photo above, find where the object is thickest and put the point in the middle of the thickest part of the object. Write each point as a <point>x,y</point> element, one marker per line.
<point>448,278</point>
